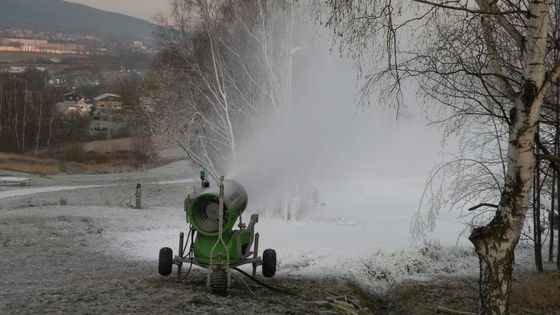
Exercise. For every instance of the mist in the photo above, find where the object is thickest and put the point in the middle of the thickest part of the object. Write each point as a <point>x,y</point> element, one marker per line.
<point>326,144</point>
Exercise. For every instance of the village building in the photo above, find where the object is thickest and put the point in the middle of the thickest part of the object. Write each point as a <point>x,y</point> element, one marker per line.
<point>74,106</point>
<point>42,46</point>
<point>70,109</point>
<point>22,70</point>
<point>74,97</point>
<point>108,102</point>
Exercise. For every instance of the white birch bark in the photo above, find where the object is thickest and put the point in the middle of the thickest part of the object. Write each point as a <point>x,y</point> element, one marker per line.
<point>495,242</point>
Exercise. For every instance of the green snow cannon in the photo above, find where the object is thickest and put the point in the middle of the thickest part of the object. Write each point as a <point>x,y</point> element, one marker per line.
<point>212,242</point>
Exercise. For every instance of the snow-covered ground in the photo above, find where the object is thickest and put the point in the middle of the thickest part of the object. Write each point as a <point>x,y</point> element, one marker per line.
<point>358,231</point>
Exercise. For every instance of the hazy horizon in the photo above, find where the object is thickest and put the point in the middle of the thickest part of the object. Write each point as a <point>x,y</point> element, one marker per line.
<point>143,9</point>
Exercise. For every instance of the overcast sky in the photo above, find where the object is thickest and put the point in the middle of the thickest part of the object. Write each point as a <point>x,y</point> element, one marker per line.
<point>144,9</point>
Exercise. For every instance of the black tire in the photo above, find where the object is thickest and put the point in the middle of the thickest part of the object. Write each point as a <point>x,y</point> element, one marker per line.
<point>165,261</point>
<point>269,263</point>
<point>218,281</point>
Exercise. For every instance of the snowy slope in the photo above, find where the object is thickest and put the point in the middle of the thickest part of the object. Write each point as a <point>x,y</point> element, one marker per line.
<point>358,231</point>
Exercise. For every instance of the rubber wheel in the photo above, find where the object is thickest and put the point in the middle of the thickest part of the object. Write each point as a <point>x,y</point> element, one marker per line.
<point>218,281</point>
<point>269,263</point>
<point>165,261</point>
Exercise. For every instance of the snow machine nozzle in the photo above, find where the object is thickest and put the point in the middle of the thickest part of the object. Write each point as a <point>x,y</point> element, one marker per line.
<point>204,183</point>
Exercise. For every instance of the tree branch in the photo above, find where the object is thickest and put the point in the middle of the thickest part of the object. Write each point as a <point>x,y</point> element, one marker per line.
<point>494,59</point>
<point>550,78</point>
<point>483,205</point>
<point>473,11</point>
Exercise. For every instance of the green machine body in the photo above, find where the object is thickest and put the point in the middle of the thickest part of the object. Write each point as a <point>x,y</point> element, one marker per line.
<point>203,215</point>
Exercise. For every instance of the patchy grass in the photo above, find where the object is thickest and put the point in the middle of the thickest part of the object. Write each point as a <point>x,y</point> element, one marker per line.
<point>117,162</point>
<point>537,292</point>
<point>532,293</point>
<point>28,164</point>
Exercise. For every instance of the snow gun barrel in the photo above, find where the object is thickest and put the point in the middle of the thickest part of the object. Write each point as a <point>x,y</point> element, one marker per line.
<point>203,209</point>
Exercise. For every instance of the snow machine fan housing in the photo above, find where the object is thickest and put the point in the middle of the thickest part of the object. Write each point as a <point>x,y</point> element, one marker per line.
<point>219,249</point>
<point>203,210</point>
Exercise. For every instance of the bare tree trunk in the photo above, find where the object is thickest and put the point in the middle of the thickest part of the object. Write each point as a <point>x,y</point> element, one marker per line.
<point>39,123</point>
<point>496,263</point>
<point>557,151</point>
<point>495,242</point>
<point>551,215</point>
<point>24,121</point>
<point>16,119</point>
<point>556,179</point>
<point>50,127</point>
<point>557,223</point>
<point>2,114</point>
<point>537,241</point>
<point>16,132</point>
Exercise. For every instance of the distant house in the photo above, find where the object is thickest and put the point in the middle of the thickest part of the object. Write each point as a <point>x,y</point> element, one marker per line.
<point>21,70</point>
<point>74,97</point>
<point>108,102</point>
<point>62,106</point>
<point>17,70</point>
<point>71,110</point>
<point>84,106</point>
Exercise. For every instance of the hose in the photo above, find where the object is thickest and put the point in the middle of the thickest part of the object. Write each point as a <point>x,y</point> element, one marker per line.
<point>239,279</point>
<point>191,237</point>
<point>281,290</point>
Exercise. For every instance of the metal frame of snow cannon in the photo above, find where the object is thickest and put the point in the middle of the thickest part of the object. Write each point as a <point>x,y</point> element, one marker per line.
<point>222,249</point>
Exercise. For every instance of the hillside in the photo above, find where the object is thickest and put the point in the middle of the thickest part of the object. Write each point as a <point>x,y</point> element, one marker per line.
<point>71,18</point>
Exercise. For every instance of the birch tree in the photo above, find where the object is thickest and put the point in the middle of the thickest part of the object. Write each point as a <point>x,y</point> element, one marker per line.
<point>220,73</point>
<point>23,102</point>
<point>476,58</point>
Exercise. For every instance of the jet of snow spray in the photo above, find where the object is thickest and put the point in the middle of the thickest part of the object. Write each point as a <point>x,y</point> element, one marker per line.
<point>324,139</point>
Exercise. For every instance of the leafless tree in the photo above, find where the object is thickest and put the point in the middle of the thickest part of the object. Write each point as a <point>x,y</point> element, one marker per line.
<point>24,99</point>
<point>477,58</point>
<point>220,74</point>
